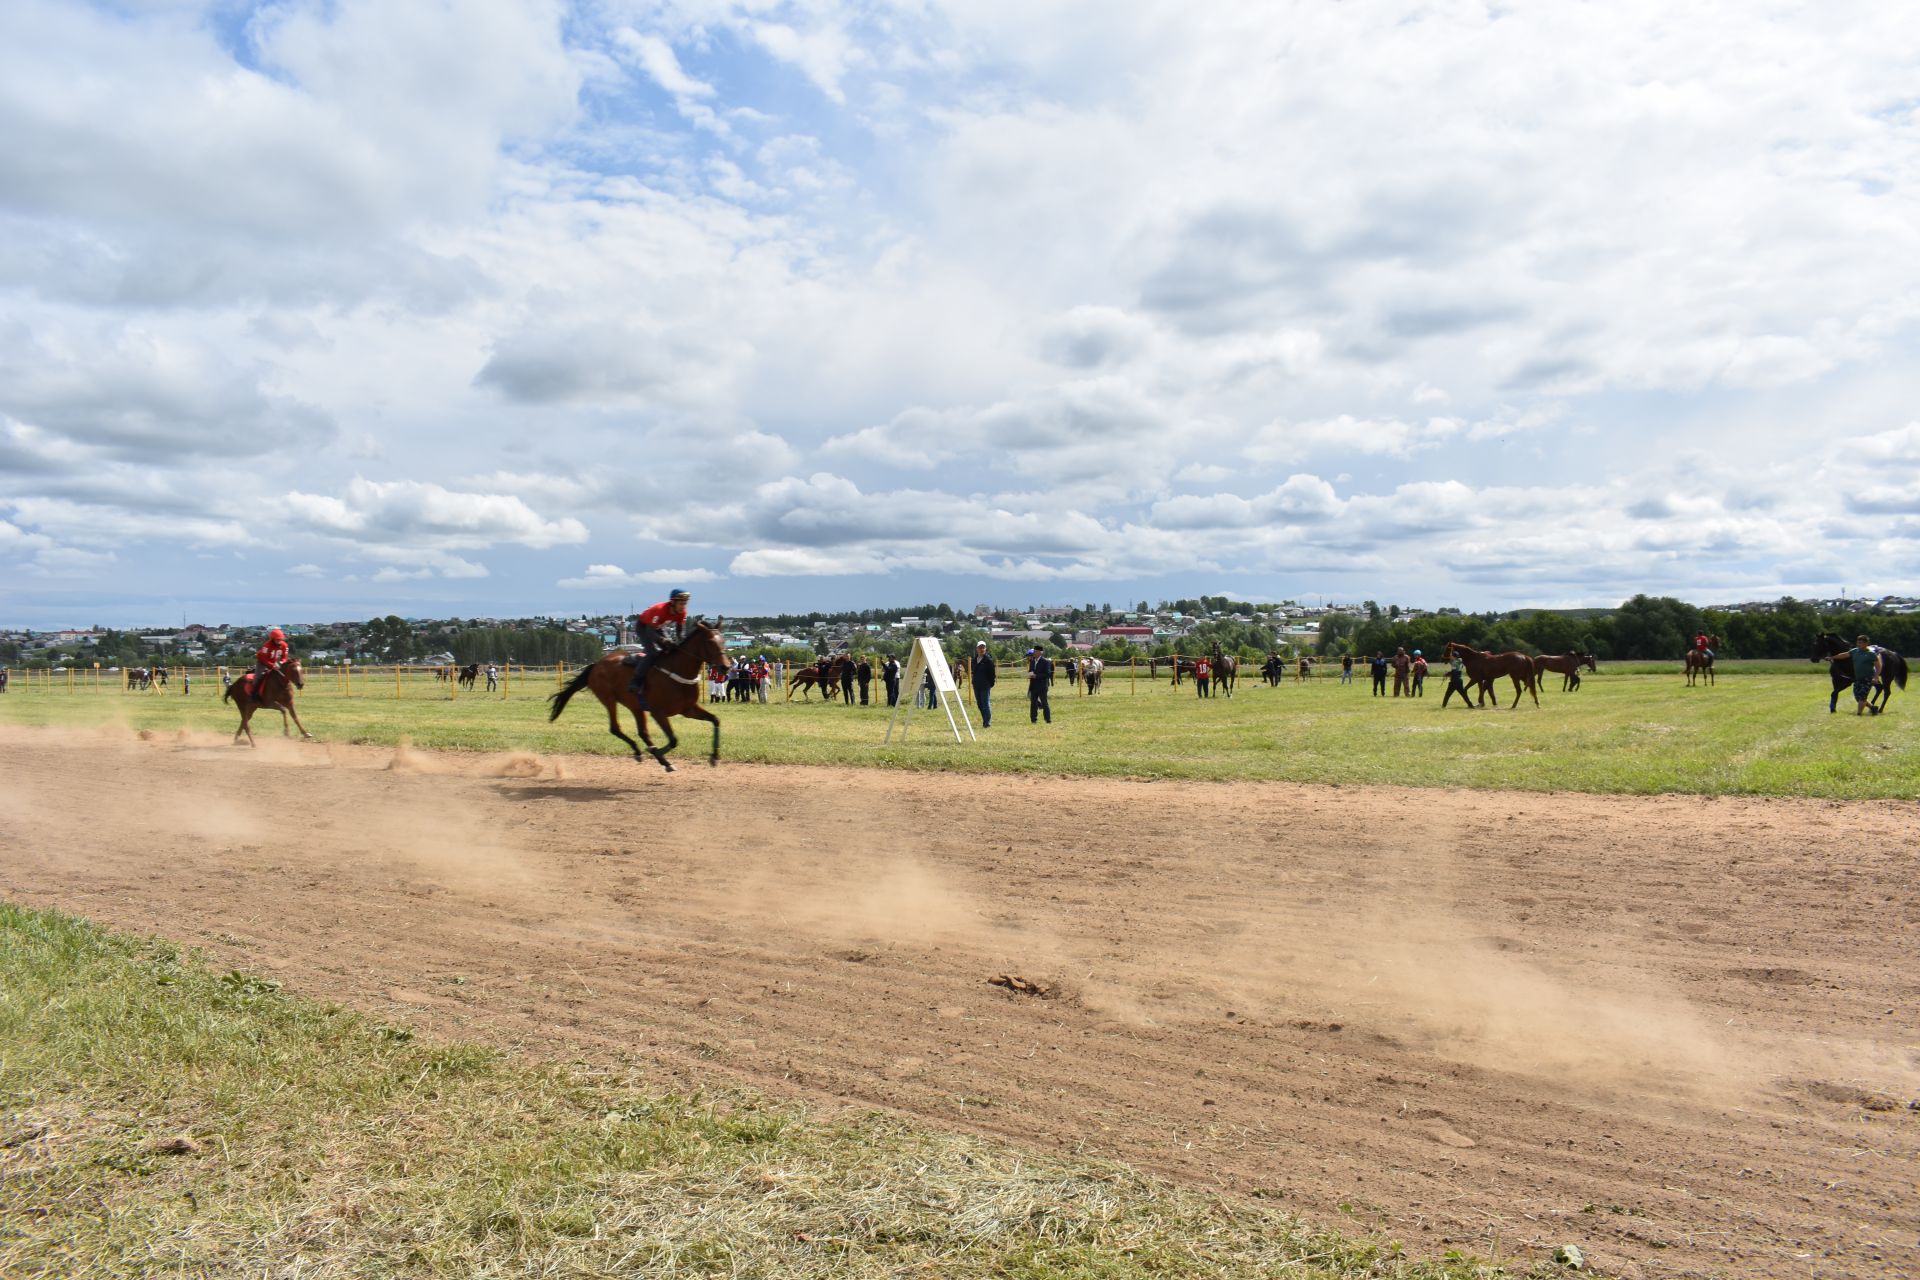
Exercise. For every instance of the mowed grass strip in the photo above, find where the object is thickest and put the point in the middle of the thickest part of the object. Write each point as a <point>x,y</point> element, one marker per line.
<point>161,1118</point>
<point>1762,729</point>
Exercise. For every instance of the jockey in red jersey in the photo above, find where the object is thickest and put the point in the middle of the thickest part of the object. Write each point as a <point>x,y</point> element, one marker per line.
<point>1700,645</point>
<point>650,629</point>
<point>269,657</point>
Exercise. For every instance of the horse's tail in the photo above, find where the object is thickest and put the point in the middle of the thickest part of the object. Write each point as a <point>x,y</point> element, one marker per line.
<point>1900,674</point>
<point>579,682</point>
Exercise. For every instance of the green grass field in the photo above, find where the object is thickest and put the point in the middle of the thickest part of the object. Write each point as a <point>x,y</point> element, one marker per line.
<point>159,1117</point>
<point>1763,730</point>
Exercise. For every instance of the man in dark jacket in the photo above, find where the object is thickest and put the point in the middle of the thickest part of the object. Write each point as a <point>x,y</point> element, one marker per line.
<point>864,674</point>
<point>981,675</point>
<point>890,676</point>
<point>1039,681</point>
<point>846,680</point>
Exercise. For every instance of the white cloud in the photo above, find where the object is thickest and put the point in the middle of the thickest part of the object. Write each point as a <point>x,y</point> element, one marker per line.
<point>776,285</point>
<point>607,576</point>
<point>413,513</point>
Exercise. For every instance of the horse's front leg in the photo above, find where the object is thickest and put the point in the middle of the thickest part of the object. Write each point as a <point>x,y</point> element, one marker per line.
<point>289,710</point>
<point>701,713</point>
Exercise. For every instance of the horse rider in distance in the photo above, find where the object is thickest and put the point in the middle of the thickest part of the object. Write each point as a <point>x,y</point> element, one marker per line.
<point>650,629</point>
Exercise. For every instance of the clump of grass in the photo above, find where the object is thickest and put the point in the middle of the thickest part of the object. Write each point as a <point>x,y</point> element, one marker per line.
<point>165,1118</point>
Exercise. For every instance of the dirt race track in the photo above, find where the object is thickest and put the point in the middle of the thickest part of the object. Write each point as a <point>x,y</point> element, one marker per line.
<point>1678,1032</point>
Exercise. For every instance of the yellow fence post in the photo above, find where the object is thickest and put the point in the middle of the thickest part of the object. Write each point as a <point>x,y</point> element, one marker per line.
<point>1133,675</point>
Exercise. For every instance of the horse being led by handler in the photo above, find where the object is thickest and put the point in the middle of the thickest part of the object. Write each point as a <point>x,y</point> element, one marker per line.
<point>1484,668</point>
<point>273,689</point>
<point>1226,671</point>
<point>1092,671</point>
<point>673,689</point>
<point>1830,648</point>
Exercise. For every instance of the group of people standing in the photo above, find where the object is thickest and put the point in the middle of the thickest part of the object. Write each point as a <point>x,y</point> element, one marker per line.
<point>983,672</point>
<point>1409,674</point>
<point>741,680</point>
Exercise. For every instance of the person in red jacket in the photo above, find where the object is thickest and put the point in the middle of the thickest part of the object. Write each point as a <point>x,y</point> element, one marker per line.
<point>650,629</point>
<point>269,656</point>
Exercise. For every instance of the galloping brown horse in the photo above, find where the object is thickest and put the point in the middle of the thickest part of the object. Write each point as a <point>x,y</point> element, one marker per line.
<point>1567,664</point>
<point>823,675</point>
<point>1701,664</point>
<point>673,689</point>
<point>274,689</point>
<point>1484,668</point>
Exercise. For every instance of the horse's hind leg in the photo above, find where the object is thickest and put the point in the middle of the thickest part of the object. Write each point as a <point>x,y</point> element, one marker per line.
<point>613,727</point>
<point>666,727</point>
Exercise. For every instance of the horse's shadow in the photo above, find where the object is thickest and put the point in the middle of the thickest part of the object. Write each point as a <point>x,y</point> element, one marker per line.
<point>549,791</point>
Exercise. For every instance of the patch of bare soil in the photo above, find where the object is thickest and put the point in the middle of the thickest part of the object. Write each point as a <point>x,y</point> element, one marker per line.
<point>1678,1032</point>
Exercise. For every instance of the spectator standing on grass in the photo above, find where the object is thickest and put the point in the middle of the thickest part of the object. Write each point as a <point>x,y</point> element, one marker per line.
<point>1456,683</point>
<point>982,675</point>
<point>762,677</point>
<point>1377,664</point>
<point>1866,672</point>
<point>1419,689</point>
<point>890,677</point>
<point>846,681</point>
<point>1039,684</point>
<point>1346,669</point>
<point>1202,673</point>
<point>1402,672</point>
<point>864,674</point>
<point>493,678</point>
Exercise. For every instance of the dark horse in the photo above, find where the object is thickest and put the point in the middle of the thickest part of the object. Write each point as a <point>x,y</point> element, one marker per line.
<point>1484,668</point>
<point>1700,662</point>
<point>468,674</point>
<point>1226,671</point>
<point>275,689</point>
<point>1893,670</point>
<point>1567,664</point>
<point>673,689</point>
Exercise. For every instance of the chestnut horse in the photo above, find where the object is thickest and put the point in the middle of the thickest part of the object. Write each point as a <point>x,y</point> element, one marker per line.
<point>823,675</point>
<point>673,689</point>
<point>1567,664</point>
<point>275,689</point>
<point>1699,664</point>
<point>1484,668</point>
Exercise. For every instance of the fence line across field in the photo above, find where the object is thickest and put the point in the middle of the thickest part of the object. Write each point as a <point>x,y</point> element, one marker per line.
<point>424,681</point>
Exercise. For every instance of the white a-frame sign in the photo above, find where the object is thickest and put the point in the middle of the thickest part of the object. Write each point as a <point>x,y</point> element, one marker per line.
<point>926,658</point>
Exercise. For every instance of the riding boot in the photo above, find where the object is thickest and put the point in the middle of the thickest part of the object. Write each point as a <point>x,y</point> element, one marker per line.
<point>638,685</point>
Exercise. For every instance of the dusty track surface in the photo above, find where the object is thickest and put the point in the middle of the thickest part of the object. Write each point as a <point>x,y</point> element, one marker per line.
<point>1677,1032</point>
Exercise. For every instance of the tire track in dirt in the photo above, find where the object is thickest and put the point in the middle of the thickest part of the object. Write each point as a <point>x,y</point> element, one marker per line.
<point>1456,1019</point>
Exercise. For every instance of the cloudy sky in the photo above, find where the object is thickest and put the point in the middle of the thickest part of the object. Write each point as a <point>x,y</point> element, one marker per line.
<point>321,308</point>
